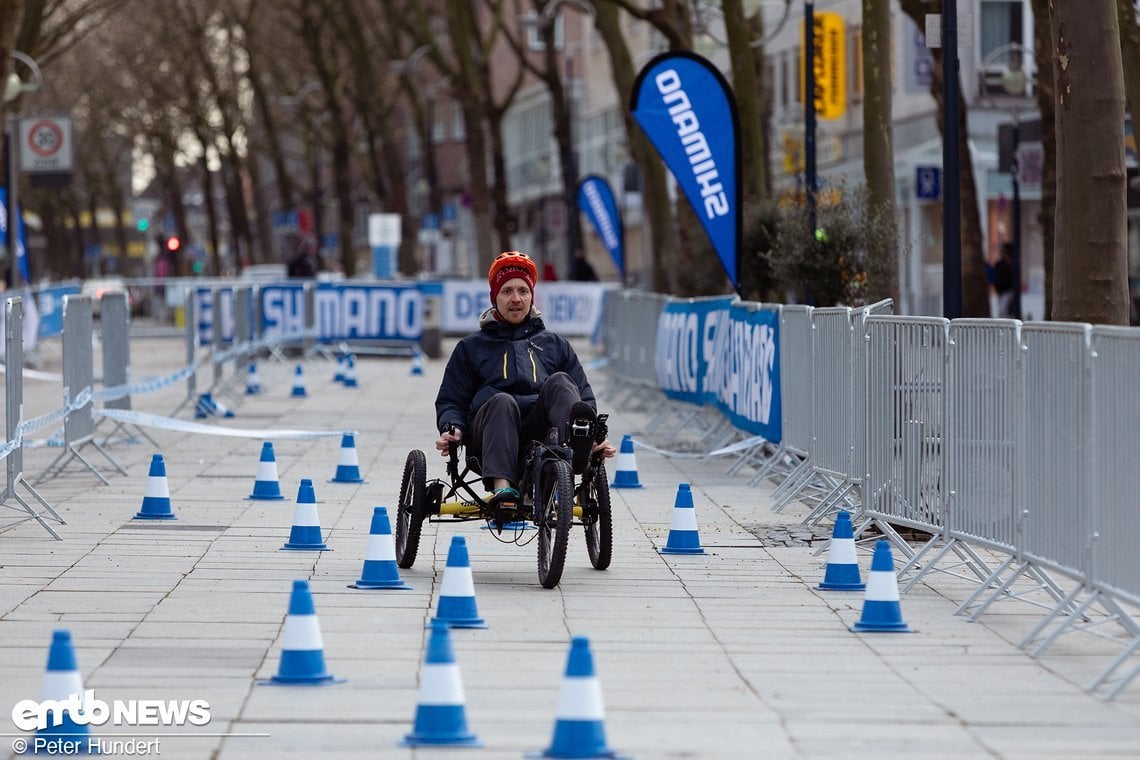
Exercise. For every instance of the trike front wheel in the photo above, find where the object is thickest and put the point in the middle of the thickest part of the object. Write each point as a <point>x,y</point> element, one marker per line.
<point>597,516</point>
<point>410,513</point>
<point>556,495</point>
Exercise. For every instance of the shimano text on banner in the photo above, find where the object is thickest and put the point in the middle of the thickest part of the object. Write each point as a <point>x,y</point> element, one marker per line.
<point>686,339</point>
<point>596,198</point>
<point>685,107</point>
<point>744,368</point>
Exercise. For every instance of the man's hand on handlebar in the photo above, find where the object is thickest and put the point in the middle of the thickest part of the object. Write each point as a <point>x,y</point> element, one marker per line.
<point>447,439</point>
<point>606,448</point>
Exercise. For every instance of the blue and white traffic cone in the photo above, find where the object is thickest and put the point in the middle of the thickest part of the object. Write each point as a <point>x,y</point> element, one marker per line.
<point>579,721</point>
<point>842,573</point>
<point>204,406</point>
<point>252,381</point>
<point>61,680</point>
<point>380,570</point>
<point>305,534</point>
<point>625,475</point>
<point>347,466</point>
<point>299,384</point>
<point>683,535</point>
<point>350,372</point>
<point>338,376</point>
<point>302,650</point>
<point>881,608</point>
<point>457,592</point>
<point>156,499</point>
<point>417,362</point>
<point>266,486</point>
<point>441,717</point>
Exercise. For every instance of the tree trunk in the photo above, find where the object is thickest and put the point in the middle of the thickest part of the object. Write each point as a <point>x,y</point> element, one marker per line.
<point>878,141</point>
<point>462,36</point>
<point>1046,104</point>
<point>211,215</point>
<point>1091,267</point>
<point>659,271</point>
<point>748,90</point>
<point>343,188</point>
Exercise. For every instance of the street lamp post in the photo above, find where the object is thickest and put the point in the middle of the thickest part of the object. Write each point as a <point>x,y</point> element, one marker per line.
<point>12,89</point>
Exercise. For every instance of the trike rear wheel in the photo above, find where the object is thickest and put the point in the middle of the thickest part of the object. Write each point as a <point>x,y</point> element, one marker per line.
<point>597,515</point>
<point>556,495</point>
<point>410,513</point>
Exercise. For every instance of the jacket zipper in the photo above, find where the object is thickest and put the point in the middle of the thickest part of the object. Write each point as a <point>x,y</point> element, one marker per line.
<point>533,366</point>
<point>504,365</point>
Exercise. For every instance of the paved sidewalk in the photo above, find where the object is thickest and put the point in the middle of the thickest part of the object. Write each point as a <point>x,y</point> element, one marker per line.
<point>732,654</point>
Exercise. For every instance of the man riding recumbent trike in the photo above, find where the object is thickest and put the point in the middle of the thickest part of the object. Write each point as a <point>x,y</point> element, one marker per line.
<point>512,389</point>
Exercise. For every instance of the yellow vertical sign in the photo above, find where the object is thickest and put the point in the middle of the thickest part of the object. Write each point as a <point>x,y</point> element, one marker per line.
<point>830,65</point>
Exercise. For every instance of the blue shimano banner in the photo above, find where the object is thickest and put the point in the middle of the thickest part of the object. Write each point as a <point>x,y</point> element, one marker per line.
<point>687,110</point>
<point>50,303</point>
<point>345,312</point>
<point>744,369</point>
<point>21,234</point>
<point>686,338</point>
<point>596,198</point>
<point>214,311</point>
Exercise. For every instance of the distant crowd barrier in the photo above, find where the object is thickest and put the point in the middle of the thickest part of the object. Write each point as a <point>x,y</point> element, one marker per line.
<point>982,433</point>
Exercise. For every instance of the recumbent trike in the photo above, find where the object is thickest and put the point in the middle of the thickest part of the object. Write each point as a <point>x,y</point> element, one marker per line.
<point>549,498</point>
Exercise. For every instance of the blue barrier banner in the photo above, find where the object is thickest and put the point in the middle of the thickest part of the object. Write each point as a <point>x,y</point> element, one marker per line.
<point>686,108</point>
<point>21,233</point>
<point>211,311</point>
<point>345,312</point>
<point>50,303</point>
<point>744,369</point>
<point>686,339</point>
<point>596,198</point>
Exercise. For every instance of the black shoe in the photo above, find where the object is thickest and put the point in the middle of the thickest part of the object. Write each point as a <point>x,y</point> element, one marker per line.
<point>582,417</point>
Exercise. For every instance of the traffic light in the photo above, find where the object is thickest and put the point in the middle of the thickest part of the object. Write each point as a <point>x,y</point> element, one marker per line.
<point>143,225</point>
<point>173,244</point>
<point>198,267</point>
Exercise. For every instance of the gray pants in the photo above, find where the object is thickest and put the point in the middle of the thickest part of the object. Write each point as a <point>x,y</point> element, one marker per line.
<point>498,429</point>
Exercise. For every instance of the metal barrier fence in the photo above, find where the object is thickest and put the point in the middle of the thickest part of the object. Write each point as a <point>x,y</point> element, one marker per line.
<point>78,394</point>
<point>13,448</point>
<point>905,366</point>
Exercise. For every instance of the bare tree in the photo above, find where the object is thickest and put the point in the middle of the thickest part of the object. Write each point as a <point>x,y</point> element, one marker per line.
<point>1091,260</point>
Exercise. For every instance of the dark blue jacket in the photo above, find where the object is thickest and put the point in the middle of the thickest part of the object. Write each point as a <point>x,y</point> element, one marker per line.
<point>514,359</point>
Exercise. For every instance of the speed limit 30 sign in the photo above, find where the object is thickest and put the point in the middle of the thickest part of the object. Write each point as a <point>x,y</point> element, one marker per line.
<point>46,144</point>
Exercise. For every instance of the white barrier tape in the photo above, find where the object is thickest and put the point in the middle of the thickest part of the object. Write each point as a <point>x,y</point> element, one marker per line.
<point>35,374</point>
<point>747,443</point>
<point>183,426</point>
<point>146,386</point>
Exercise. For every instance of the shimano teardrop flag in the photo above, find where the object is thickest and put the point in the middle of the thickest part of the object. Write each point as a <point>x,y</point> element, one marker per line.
<point>685,107</point>
<point>596,198</point>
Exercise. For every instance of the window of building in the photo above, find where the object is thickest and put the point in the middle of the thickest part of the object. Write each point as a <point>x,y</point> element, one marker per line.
<point>1000,23</point>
